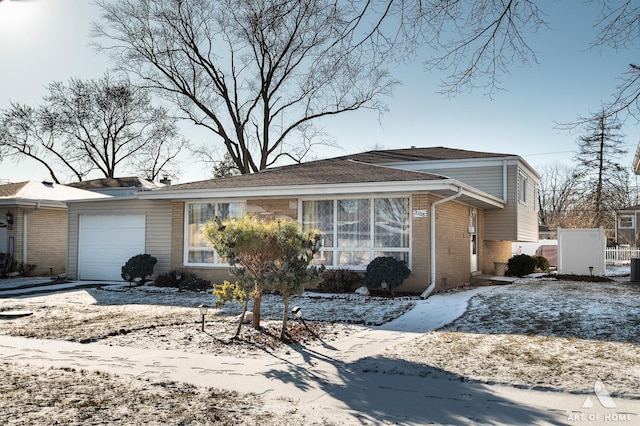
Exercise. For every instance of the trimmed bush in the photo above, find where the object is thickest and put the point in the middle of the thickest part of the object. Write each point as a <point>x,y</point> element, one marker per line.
<point>25,269</point>
<point>138,266</point>
<point>338,280</point>
<point>542,263</point>
<point>386,272</point>
<point>194,283</point>
<point>172,278</point>
<point>521,265</point>
<point>7,264</point>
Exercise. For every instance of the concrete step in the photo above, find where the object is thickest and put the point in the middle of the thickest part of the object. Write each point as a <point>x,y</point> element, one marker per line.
<point>487,279</point>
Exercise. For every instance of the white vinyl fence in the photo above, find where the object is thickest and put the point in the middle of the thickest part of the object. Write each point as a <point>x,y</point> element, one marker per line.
<point>621,255</point>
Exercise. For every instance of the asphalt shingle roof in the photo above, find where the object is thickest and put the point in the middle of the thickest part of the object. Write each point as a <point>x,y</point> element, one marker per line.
<point>321,172</point>
<point>10,190</point>
<point>421,154</point>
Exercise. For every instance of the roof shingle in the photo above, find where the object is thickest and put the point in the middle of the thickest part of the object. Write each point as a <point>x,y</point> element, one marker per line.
<point>421,154</point>
<point>321,172</point>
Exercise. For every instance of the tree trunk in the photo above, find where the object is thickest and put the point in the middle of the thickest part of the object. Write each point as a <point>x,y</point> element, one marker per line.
<point>241,320</point>
<point>257,301</point>
<point>285,316</point>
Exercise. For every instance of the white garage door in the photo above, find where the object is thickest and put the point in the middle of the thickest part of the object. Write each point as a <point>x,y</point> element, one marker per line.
<point>106,243</point>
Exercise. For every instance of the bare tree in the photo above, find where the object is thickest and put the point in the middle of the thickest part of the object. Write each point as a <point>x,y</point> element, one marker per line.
<point>619,22</point>
<point>257,74</point>
<point>96,125</point>
<point>220,165</point>
<point>557,194</point>
<point>22,137</point>
<point>598,171</point>
<point>477,41</point>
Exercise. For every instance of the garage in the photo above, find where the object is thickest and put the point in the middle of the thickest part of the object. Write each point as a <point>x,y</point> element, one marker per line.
<point>105,243</point>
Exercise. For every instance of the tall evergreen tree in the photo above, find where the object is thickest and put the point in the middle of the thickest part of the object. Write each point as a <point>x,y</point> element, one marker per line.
<point>599,150</point>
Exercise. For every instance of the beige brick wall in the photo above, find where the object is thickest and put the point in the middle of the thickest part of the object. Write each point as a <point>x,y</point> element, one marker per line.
<point>46,238</point>
<point>420,237</point>
<point>495,251</point>
<point>47,241</point>
<point>453,246</point>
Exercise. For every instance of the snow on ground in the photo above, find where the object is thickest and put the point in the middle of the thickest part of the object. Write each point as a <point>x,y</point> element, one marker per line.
<point>542,334</point>
<point>535,333</point>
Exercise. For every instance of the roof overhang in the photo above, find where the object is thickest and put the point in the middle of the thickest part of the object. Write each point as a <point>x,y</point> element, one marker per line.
<point>443,188</point>
<point>22,202</point>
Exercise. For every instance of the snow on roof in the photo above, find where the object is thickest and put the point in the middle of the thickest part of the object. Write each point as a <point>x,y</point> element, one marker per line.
<point>44,191</point>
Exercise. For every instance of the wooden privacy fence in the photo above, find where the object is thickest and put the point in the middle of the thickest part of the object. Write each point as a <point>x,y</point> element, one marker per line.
<point>621,255</point>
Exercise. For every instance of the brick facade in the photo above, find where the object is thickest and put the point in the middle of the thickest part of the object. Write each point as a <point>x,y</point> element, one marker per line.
<point>46,239</point>
<point>453,245</point>
<point>495,251</point>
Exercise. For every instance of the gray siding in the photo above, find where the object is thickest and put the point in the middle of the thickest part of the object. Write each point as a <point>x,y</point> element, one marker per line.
<point>527,214</point>
<point>157,232</point>
<point>518,221</point>
<point>487,179</point>
<point>500,225</point>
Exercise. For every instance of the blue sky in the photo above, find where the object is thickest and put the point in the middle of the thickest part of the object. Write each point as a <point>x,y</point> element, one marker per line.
<point>47,40</point>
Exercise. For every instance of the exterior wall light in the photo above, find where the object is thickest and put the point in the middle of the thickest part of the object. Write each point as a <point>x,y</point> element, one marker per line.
<point>297,311</point>
<point>9,218</point>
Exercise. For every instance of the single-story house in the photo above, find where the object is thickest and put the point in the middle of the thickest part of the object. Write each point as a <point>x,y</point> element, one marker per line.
<point>449,213</point>
<point>33,223</point>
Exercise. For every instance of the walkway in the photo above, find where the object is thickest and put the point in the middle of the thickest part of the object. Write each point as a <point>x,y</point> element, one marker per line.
<point>344,381</point>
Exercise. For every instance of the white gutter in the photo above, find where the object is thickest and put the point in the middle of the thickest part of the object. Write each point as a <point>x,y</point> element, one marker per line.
<point>432,284</point>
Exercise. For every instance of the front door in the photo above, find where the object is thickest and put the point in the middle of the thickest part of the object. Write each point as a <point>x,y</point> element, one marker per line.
<point>473,231</point>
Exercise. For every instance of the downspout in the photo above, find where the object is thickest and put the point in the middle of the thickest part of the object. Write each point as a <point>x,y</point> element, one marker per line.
<point>432,283</point>
<point>505,170</point>
<point>24,231</point>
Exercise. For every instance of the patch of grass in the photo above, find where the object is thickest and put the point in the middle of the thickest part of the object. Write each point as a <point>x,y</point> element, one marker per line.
<point>582,278</point>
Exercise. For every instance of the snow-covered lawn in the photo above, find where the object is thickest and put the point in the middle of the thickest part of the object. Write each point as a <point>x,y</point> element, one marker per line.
<point>543,334</point>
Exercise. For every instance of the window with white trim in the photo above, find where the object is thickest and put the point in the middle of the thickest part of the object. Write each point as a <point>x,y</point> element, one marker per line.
<point>355,231</point>
<point>626,221</point>
<point>197,249</point>
<point>522,188</point>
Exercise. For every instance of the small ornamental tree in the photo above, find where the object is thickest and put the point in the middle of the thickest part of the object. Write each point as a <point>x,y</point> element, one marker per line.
<point>138,266</point>
<point>386,272</point>
<point>291,272</point>
<point>273,255</point>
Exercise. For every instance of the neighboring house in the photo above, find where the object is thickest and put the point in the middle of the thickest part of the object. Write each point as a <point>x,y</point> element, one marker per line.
<point>117,187</point>
<point>33,223</point>
<point>449,213</point>
<point>627,229</point>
